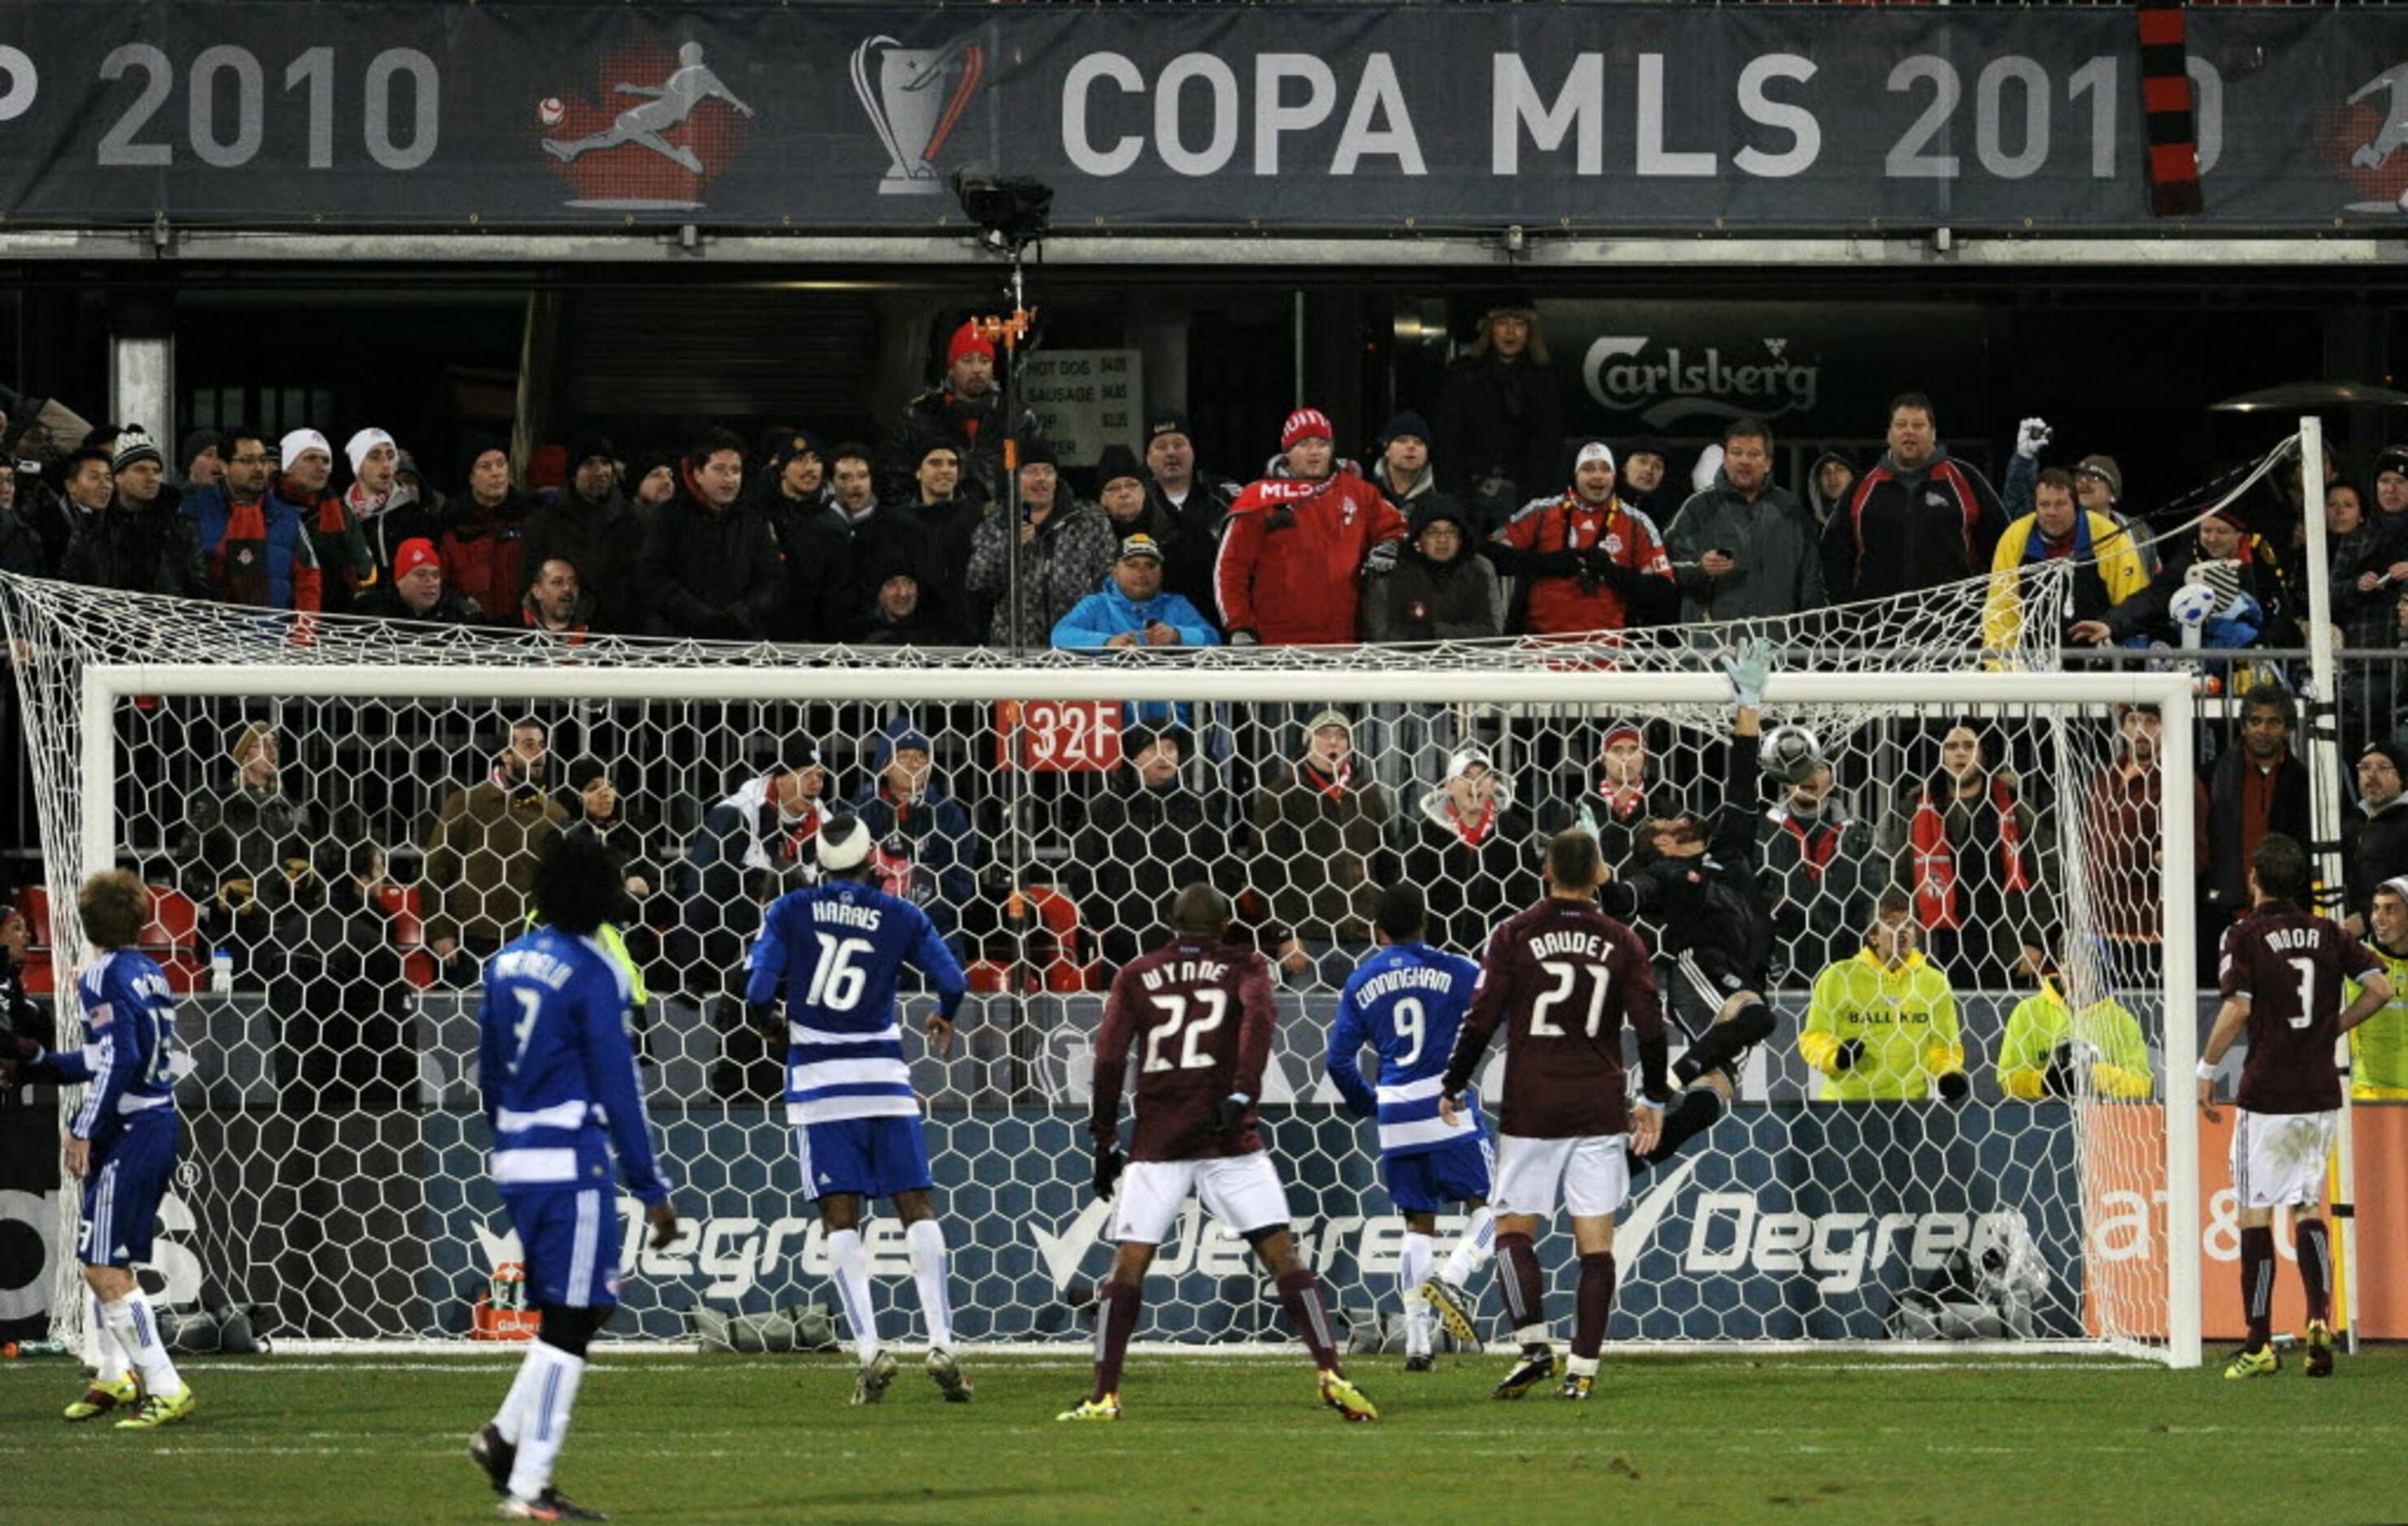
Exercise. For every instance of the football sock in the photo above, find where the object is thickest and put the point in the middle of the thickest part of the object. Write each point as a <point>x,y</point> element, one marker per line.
<point>1517,1278</point>
<point>1413,1266</point>
<point>1115,1321</point>
<point>931,1265</point>
<point>2314,1243</point>
<point>543,1420</point>
<point>110,1362</point>
<point>2257,1283</point>
<point>1300,1295</point>
<point>510,1419</point>
<point>1471,1250</point>
<point>1693,1112</point>
<point>137,1330</point>
<point>1723,1043</point>
<point>850,1261</point>
<point>1595,1302</point>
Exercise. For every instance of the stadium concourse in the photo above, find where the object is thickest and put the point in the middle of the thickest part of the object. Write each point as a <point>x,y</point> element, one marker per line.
<point>1205,720</point>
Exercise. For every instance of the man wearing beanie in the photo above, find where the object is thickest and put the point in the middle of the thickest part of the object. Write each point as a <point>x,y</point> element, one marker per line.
<point>1500,414</point>
<point>709,567</point>
<point>483,540</point>
<point>258,551</point>
<point>1584,560</point>
<point>1297,548</point>
<point>2234,560</point>
<point>2374,841</point>
<point>1193,506</point>
<point>1403,471</point>
<point>416,591</point>
<point>590,526</point>
<point>966,412</point>
<point>139,542</point>
<point>202,461</point>
<point>342,551</point>
<point>383,503</point>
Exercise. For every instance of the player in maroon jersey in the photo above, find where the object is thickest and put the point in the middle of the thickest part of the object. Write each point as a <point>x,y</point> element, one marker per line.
<point>2281,977</point>
<point>1198,1013</point>
<point>1563,977</point>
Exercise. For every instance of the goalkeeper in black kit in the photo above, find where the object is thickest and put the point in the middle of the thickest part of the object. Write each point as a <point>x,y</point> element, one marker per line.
<point>1694,876</point>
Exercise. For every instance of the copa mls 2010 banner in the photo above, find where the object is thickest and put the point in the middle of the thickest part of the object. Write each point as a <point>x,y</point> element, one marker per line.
<point>400,114</point>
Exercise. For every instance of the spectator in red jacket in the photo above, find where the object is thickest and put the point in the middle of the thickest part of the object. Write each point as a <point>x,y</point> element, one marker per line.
<point>484,532</point>
<point>1298,546</point>
<point>1585,561</point>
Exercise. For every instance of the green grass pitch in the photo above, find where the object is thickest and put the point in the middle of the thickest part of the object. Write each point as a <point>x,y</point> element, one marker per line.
<point>695,1438</point>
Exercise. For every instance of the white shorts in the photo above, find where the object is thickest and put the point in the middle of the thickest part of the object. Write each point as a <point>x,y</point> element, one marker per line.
<point>2279,1159</point>
<point>1243,1191</point>
<point>1592,1173</point>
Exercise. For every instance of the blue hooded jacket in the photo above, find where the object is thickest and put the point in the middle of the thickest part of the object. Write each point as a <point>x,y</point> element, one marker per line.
<point>1095,619</point>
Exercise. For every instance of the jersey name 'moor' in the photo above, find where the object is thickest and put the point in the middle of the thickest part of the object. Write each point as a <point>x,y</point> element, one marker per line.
<point>2285,939</point>
<point>1585,945</point>
<point>1186,972</point>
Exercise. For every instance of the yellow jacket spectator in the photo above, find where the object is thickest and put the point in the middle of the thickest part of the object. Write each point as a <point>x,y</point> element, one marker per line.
<point>2048,1043</point>
<point>2378,1047</point>
<point>1883,1024</point>
<point>2107,566</point>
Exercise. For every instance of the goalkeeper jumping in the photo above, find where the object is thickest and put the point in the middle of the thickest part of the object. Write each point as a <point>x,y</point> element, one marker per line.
<point>1694,876</point>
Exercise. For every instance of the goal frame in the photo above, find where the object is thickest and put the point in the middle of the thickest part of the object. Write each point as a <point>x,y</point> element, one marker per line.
<point>104,685</point>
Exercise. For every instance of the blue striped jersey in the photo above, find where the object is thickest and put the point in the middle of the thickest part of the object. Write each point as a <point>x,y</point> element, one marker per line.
<point>1406,1002</point>
<point>129,1061</point>
<point>558,1071</point>
<point>835,953</point>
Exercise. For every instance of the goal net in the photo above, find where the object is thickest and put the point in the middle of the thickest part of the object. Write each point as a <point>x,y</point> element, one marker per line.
<point>338,818</point>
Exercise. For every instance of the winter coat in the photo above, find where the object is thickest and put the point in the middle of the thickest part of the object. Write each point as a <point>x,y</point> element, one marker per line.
<point>2148,613</point>
<point>483,553</point>
<point>925,852</point>
<point>2107,570</point>
<point>242,833</point>
<point>1073,552</point>
<point>880,544</point>
<point>140,551</point>
<point>2366,619</point>
<point>452,609</point>
<point>1901,531</point>
<point>603,541</point>
<point>747,854</point>
<point>1292,555</point>
<point>2374,848</point>
<point>352,570</point>
<point>1422,600</point>
<point>1136,847</point>
<point>974,428</point>
<point>1581,568</point>
<point>1321,859</point>
<point>1093,621</point>
<point>2001,894</point>
<point>385,523</point>
<point>2221,858</point>
<point>1774,545</point>
<point>820,585</point>
<point>951,540</point>
<point>259,554</point>
<point>22,550</point>
<point>1500,426</point>
<point>1192,542</point>
<point>1826,867</point>
<point>481,860</point>
<point>1471,875</point>
<point>712,575</point>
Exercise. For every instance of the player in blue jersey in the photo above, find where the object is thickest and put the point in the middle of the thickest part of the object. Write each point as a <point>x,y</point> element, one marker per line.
<point>1406,1002</point>
<point>121,1142</point>
<point>832,954</point>
<point>563,1097</point>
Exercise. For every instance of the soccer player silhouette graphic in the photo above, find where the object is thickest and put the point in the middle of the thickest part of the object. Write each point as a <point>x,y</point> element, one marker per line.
<point>673,100</point>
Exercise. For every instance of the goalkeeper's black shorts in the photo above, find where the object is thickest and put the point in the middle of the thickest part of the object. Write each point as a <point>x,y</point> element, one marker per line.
<point>1714,975</point>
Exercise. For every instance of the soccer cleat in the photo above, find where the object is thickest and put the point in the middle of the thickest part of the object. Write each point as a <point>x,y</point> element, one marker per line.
<point>869,1386</point>
<point>548,1506</point>
<point>1421,1361</point>
<point>1577,1385</point>
<point>947,1375</point>
<point>1537,1364</point>
<point>489,1452</point>
<point>101,1398</point>
<point>1452,1307</point>
<point>2264,1362</point>
<point>2320,1349</point>
<point>159,1409</point>
<point>1341,1395</point>
<point>1106,1408</point>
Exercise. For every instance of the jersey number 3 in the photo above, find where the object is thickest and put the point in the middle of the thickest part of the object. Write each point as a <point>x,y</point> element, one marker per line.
<point>1211,1008</point>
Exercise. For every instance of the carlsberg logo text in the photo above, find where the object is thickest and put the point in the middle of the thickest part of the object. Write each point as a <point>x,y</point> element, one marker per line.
<point>1620,375</point>
<point>1730,1234</point>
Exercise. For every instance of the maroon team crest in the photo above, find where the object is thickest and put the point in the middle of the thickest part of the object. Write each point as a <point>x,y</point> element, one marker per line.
<point>913,97</point>
<point>684,126</point>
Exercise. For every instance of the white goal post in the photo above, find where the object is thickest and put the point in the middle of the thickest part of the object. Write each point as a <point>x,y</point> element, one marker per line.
<point>108,688</point>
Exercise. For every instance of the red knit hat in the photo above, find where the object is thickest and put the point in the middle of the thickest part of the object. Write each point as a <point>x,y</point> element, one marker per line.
<point>1304,424</point>
<point>416,552</point>
<point>968,340</point>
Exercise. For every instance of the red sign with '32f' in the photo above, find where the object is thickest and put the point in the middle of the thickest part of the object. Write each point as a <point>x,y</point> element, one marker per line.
<point>1058,736</point>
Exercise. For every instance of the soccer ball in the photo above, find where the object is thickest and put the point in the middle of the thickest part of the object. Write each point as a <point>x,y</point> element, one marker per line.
<point>1791,754</point>
<point>549,111</point>
<point>2193,605</point>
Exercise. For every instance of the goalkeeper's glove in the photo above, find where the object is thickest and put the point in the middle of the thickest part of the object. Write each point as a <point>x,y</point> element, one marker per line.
<point>2029,437</point>
<point>1847,1056</point>
<point>1230,1113</point>
<point>1109,1162</point>
<point>1245,638</point>
<point>1381,561</point>
<point>762,1019</point>
<point>1954,1087</point>
<point>1749,666</point>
